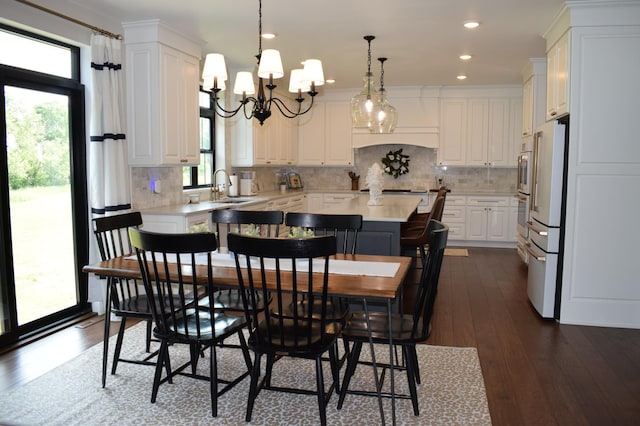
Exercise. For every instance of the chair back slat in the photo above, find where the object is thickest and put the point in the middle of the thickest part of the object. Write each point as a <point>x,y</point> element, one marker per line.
<point>286,269</point>
<point>345,227</point>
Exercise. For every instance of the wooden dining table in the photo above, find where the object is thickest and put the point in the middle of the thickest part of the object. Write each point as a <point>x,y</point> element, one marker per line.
<point>363,288</point>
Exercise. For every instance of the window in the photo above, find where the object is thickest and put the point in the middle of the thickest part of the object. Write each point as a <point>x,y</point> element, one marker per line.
<point>201,175</point>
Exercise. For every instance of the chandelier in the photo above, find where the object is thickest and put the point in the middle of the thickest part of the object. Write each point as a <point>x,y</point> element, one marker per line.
<point>214,76</point>
<point>384,116</point>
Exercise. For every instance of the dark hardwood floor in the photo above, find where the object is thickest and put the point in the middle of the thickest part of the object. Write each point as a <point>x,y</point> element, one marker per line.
<point>536,372</point>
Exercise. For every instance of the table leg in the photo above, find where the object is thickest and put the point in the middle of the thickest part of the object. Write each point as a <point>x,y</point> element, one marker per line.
<point>107,324</point>
<point>391,363</point>
<point>373,360</point>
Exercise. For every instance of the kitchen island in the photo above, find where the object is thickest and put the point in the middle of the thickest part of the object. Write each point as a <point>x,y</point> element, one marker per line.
<point>380,233</point>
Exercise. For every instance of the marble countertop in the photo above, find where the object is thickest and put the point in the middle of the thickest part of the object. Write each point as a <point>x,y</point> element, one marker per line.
<point>392,209</point>
<point>205,206</point>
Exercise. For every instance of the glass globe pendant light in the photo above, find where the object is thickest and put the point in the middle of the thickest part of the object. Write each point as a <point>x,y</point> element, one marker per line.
<point>363,104</point>
<point>384,115</point>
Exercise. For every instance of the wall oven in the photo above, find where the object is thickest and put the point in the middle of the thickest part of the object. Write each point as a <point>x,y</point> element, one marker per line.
<point>524,184</point>
<point>525,166</point>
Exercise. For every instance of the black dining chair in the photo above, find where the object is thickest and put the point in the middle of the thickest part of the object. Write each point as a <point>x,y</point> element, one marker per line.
<point>254,222</point>
<point>125,297</point>
<point>407,330</point>
<point>345,227</point>
<point>294,273</point>
<point>177,273</point>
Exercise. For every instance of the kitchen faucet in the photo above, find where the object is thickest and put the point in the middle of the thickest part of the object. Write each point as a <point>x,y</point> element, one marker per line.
<point>215,191</point>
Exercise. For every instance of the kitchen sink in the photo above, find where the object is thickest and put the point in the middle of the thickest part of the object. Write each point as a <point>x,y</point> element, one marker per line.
<point>234,200</point>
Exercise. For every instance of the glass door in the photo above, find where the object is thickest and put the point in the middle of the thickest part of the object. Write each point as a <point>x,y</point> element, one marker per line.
<point>43,197</point>
<point>40,202</point>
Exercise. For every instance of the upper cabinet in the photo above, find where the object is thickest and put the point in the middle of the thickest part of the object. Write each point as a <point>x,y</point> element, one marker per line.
<point>324,135</point>
<point>272,144</point>
<point>162,80</point>
<point>534,95</point>
<point>480,130</point>
<point>557,78</point>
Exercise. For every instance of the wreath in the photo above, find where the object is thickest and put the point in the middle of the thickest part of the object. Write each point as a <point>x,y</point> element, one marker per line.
<point>395,163</point>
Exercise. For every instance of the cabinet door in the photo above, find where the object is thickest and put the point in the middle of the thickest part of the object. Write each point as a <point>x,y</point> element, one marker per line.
<point>497,223</point>
<point>557,77</point>
<point>453,132</point>
<point>180,115</point>
<point>288,142</point>
<point>311,137</point>
<point>500,142</point>
<point>476,223</point>
<point>477,132</point>
<point>338,150</point>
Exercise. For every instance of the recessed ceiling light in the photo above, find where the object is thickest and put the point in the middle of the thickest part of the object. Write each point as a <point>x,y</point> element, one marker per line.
<point>471,24</point>
<point>461,77</point>
<point>465,57</point>
<point>268,36</point>
<point>330,81</point>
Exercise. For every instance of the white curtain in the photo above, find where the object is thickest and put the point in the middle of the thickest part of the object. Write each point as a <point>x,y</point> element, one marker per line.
<point>108,170</point>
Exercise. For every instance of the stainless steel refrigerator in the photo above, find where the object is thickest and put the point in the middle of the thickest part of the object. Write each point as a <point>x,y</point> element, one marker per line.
<point>547,217</point>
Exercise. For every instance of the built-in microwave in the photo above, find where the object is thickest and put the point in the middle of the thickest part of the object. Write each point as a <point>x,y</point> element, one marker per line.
<point>525,166</point>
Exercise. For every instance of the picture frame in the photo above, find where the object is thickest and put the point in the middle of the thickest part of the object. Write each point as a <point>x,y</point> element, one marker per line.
<point>294,181</point>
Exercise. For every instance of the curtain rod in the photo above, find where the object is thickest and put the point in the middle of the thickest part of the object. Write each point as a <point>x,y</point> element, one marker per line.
<point>68,18</point>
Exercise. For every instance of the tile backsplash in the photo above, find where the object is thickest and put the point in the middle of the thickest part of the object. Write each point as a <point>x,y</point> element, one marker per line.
<point>422,173</point>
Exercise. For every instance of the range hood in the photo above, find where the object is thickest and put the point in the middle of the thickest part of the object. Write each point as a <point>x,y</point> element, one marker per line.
<point>427,137</point>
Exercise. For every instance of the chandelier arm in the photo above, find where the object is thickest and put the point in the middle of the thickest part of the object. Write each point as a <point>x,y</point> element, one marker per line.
<point>284,109</point>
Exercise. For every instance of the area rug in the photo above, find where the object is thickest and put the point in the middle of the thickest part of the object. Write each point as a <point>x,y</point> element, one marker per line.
<point>452,393</point>
<point>460,252</point>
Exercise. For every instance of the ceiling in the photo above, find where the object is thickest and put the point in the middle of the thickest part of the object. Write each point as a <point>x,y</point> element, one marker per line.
<point>422,39</point>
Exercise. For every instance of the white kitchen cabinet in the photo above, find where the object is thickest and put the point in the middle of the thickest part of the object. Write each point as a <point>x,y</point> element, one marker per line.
<point>534,95</point>
<point>453,132</point>
<point>557,78</point>
<point>314,202</point>
<point>512,227</point>
<point>487,218</point>
<point>454,216</point>
<point>479,131</point>
<point>324,135</point>
<point>272,144</point>
<point>162,80</point>
<point>177,223</point>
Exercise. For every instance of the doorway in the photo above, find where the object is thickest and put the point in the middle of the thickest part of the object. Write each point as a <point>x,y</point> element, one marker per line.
<point>43,214</point>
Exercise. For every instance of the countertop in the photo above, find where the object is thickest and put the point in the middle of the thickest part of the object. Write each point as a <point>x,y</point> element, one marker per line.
<point>204,206</point>
<point>398,210</point>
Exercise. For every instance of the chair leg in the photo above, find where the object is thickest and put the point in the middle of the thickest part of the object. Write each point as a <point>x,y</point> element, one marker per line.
<point>411,380</point>
<point>107,327</point>
<point>213,380</point>
<point>194,353</point>
<point>352,362</point>
<point>253,387</point>
<point>245,350</point>
<point>148,342</point>
<point>271,359</point>
<point>163,356</point>
<point>334,363</point>
<point>116,354</point>
<point>414,355</point>
<point>320,389</point>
